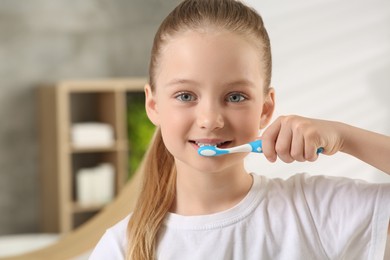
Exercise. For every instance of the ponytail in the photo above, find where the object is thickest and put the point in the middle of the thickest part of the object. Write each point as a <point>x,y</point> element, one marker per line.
<point>155,199</point>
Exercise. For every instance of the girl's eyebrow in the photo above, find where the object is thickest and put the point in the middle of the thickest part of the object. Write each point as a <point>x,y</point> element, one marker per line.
<point>241,83</point>
<point>236,83</point>
<point>179,81</point>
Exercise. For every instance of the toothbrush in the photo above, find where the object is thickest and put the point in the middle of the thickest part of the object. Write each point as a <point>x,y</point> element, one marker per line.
<point>254,147</point>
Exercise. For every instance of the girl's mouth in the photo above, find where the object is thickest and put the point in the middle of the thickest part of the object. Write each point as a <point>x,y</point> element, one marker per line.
<point>224,144</point>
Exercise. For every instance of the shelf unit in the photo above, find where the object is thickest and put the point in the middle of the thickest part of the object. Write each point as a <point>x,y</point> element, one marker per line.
<point>61,105</point>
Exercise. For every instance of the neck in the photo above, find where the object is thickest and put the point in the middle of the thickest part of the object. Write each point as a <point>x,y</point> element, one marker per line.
<point>201,193</point>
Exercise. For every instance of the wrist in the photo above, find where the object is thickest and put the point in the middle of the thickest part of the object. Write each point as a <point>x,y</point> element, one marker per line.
<point>344,136</point>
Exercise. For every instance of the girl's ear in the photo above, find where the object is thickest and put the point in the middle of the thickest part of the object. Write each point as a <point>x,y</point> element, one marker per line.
<point>151,105</point>
<point>268,108</point>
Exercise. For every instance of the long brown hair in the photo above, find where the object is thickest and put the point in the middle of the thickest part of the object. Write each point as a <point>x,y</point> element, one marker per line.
<point>159,185</point>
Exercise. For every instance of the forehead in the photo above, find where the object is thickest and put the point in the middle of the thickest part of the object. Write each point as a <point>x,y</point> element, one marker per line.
<point>209,55</point>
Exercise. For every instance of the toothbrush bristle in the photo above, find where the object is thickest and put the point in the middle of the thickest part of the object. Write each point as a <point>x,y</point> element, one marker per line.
<point>207,152</point>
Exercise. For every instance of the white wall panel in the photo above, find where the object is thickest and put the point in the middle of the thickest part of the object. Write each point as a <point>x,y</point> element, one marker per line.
<point>331,61</point>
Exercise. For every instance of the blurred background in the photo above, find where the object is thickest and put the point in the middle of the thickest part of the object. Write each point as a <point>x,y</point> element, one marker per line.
<point>45,41</point>
<point>331,61</point>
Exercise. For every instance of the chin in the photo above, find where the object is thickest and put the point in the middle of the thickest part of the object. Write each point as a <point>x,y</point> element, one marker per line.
<point>213,164</point>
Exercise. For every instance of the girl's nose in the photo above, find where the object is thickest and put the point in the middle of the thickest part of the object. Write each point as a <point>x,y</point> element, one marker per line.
<point>210,117</point>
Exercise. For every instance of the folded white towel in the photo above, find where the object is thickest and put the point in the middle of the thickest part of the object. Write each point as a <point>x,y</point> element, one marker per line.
<point>85,186</point>
<point>92,134</point>
<point>104,183</point>
<point>95,186</point>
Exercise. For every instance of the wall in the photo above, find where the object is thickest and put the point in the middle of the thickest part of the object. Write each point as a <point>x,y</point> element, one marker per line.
<point>44,41</point>
<point>331,61</point>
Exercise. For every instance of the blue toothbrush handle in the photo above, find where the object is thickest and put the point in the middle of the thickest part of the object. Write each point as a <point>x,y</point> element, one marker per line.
<point>257,147</point>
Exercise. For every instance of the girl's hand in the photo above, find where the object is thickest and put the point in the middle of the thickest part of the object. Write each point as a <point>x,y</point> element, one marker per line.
<point>295,138</point>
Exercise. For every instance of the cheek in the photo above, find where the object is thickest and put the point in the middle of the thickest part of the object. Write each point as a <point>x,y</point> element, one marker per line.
<point>173,117</point>
<point>247,124</point>
<point>174,122</point>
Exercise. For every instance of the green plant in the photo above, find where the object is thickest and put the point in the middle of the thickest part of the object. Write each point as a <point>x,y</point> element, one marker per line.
<point>139,129</point>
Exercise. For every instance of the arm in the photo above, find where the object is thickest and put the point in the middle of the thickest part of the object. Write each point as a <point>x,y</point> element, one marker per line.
<point>367,146</point>
<point>295,138</point>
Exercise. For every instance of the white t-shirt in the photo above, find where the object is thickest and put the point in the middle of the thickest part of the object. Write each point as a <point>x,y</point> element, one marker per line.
<point>303,217</point>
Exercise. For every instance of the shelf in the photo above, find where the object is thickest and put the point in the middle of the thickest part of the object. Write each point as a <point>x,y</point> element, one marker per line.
<point>78,208</point>
<point>61,105</point>
<point>96,149</point>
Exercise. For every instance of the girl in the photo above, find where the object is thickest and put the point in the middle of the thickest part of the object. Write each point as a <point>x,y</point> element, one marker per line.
<point>210,74</point>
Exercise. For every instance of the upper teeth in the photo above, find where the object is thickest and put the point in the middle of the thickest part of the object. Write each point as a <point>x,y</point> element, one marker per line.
<point>203,144</point>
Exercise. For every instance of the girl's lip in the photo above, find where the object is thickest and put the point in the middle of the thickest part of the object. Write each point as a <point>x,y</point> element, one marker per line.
<point>220,142</point>
<point>208,141</point>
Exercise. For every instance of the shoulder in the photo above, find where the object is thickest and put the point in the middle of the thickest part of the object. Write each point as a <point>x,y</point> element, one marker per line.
<point>113,243</point>
<point>119,230</point>
<point>323,186</point>
<point>347,213</point>
<point>320,183</point>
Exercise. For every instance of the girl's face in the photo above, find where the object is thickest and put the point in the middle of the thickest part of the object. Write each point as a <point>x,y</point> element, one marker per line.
<point>209,90</point>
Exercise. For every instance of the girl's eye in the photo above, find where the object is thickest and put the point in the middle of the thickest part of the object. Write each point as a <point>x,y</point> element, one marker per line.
<point>185,97</point>
<point>236,97</point>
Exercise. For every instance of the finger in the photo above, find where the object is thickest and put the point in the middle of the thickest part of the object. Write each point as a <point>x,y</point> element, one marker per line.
<point>311,151</point>
<point>283,144</point>
<point>269,139</point>
<point>298,148</point>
